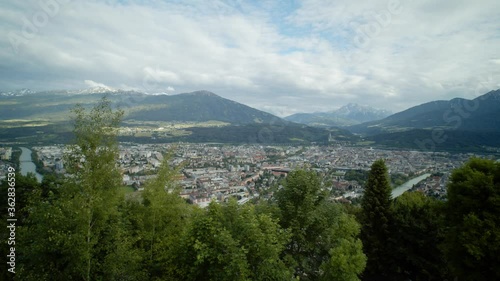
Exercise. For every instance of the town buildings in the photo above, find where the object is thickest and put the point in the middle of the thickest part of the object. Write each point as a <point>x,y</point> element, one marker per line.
<point>218,172</point>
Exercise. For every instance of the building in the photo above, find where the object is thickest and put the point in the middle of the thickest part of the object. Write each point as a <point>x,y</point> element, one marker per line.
<point>6,153</point>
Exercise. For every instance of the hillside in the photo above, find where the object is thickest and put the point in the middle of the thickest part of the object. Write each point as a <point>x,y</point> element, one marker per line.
<point>454,125</point>
<point>195,106</point>
<point>198,106</point>
<point>349,114</point>
<point>480,114</point>
<point>201,116</point>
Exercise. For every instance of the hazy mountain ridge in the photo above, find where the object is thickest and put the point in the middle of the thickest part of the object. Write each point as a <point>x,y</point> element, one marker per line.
<point>44,116</point>
<point>194,106</point>
<point>478,114</point>
<point>16,93</point>
<point>349,114</point>
<point>200,106</point>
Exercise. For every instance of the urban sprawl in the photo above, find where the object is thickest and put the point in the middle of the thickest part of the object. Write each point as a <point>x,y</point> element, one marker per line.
<point>216,172</point>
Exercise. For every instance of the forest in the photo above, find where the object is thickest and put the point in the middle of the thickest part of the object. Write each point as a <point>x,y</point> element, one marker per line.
<point>83,227</point>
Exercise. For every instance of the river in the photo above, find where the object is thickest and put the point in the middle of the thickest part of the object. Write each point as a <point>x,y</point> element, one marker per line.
<point>27,165</point>
<point>408,185</point>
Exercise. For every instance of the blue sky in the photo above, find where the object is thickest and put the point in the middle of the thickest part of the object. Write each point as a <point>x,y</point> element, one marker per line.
<point>279,56</point>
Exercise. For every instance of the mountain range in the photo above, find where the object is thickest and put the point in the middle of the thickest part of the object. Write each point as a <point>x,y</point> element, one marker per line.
<point>202,116</point>
<point>349,114</point>
<point>443,124</point>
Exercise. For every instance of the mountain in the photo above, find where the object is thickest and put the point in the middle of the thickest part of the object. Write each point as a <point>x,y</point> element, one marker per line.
<point>20,92</point>
<point>457,124</point>
<point>198,106</point>
<point>479,114</point>
<point>201,116</point>
<point>349,114</point>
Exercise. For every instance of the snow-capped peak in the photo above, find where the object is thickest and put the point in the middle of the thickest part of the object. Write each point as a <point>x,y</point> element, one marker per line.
<point>21,92</point>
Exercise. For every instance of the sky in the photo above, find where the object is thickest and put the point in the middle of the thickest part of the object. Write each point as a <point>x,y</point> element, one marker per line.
<point>282,57</point>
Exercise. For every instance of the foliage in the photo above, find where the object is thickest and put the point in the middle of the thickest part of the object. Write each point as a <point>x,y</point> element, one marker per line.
<point>398,179</point>
<point>356,175</point>
<point>76,230</point>
<point>376,221</point>
<point>417,236</point>
<point>324,243</point>
<point>158,220</point>
<point>473,221</point>
<point>232,242</point>
<point>23,187</point>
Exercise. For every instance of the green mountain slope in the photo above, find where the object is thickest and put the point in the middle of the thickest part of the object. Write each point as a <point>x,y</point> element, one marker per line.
<point>479,114</point>
<point>454,125</point>
<point>199,106</point>
<point>201,116</point>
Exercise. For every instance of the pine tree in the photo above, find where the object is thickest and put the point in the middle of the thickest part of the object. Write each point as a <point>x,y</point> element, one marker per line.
<point>376,220</point>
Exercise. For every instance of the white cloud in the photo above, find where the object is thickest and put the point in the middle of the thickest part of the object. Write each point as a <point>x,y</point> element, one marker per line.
<point>270,55</point>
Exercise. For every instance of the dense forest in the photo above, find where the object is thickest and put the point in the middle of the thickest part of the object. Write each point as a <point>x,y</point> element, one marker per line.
<point>82,227</point>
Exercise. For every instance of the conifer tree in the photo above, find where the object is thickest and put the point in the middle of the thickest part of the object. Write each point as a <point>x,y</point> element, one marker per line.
<point>376,220</point>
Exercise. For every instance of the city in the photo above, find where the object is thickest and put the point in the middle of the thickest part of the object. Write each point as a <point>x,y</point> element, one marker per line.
<point>216,172</point>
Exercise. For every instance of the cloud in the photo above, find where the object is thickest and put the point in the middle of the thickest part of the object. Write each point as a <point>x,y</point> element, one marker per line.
<point>277,56</point>
<point>93,84</point>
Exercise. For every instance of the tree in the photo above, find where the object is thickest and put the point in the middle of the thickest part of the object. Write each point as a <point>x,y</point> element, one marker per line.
<point>472,243</point>
<point>159,220</point>
<point>376,219</point>
<point>232,242</point>
<point>346,258</point>
<point>20,186</point>
<point>324,239</point>
<point>417,236</point>
<point>73,233</point>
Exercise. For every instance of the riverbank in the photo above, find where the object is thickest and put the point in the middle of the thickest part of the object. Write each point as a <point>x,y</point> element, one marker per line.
<point>26,164</point>
<point>408,185</point>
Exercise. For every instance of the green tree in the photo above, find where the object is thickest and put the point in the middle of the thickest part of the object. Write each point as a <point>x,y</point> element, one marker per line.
<point>159,220</point>
<point>232,242</point>
<point>324,239</point>
<point>73,234</point>
<point>472,244</point>
<point>417,237</point>
<point>376,219</point>
<point>23,186</point>
<point>346,258</point>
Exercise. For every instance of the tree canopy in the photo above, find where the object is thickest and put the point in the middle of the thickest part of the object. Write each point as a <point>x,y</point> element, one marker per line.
<point>473,222</point>
<point>324,239</point>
